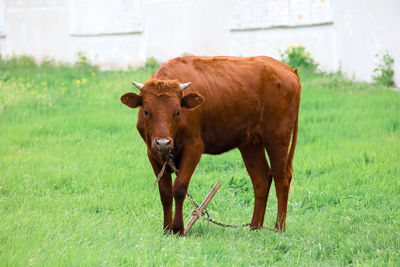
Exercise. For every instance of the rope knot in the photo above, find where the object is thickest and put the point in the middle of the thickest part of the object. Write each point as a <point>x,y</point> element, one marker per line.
<point>169,159</point>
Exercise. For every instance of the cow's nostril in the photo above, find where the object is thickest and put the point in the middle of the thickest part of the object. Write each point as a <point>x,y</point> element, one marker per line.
<point>163,142</point>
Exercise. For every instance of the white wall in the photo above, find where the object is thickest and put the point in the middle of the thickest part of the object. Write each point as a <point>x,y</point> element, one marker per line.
<point>365,28</point>
<point>110,33</point>
<point>175,27</point>
<point>320,40</point>
<point>118,33</point>
<point>2,27</point>
<point>2,19</point>
<point>39,28</point>
<point>267,27</point>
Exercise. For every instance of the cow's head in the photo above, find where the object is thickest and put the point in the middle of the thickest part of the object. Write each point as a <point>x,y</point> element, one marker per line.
<point>160,103</point>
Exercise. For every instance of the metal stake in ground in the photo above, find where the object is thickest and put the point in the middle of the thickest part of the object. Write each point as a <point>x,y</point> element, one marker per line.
<point>196,214</point>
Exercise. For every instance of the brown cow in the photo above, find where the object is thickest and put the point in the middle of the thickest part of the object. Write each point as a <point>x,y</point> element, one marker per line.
<point>247,103</point>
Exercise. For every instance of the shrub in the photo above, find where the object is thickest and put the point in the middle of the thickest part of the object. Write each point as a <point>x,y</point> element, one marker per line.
<point>383,73</point>
<point>298,57</point>
<point>152,64</point>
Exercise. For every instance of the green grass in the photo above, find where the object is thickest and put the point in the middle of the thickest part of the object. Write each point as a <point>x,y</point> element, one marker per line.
<point>76,187</point>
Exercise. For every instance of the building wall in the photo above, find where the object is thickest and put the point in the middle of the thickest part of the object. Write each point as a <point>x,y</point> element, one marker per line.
<point>268,27</point>
<point>175,27</point>
<point>115,34</point>
<point>365,28</point>
<point>2,26</point>
<point>320,40</point>
<point>110,33</point>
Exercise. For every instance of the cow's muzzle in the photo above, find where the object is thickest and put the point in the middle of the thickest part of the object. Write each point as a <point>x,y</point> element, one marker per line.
<point>163,145</point>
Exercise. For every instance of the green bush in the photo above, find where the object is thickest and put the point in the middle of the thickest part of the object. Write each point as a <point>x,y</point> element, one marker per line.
<point>152,64</point>
<point>298,57</point>
<point>383,73</point>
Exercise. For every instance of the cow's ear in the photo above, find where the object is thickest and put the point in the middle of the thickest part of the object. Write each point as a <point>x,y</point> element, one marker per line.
<point>132,100</point>
<point>192,100</point>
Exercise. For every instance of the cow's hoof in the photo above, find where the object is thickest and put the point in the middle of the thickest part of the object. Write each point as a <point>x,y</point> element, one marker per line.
<point>279,228</point>
<point>178,231</point>
<point>255,227</point>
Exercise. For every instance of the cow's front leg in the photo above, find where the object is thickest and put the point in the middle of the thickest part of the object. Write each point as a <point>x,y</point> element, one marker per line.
<point>190,157</point>
<point>165,188</point>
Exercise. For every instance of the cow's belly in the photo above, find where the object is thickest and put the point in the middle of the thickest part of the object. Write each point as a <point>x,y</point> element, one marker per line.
<point>218,148</point>
<point>219,140</point>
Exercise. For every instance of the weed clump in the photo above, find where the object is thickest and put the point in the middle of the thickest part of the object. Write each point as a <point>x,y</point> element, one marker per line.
<point>383,73</point>
<point>16,65</point>
<point>298,57</point>
<point>85,66</point>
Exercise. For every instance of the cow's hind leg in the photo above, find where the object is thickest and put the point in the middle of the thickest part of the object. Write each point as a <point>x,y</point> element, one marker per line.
<point>282,174</point>
<point>259,171</point>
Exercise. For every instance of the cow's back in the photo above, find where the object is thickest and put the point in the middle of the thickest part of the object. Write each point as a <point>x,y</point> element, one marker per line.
<point>240,95</point>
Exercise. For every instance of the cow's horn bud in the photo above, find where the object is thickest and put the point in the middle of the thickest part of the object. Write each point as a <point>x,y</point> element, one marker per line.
<point>185,85</point>
<point>138,85</point>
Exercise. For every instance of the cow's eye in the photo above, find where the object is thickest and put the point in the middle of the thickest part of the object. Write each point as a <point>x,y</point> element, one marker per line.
<point>146,113</point>
<point>176,114</point>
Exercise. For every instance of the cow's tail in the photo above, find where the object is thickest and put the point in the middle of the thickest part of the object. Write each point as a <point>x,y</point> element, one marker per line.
<point>294,136</point>
<point>293,146</point>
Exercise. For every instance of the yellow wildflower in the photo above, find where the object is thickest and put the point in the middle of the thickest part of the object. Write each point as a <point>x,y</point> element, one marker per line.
<point>84,80</point>
<point>78,81</point>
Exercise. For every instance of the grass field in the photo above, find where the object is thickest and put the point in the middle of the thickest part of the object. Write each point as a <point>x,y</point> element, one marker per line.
<point>76,188</point>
